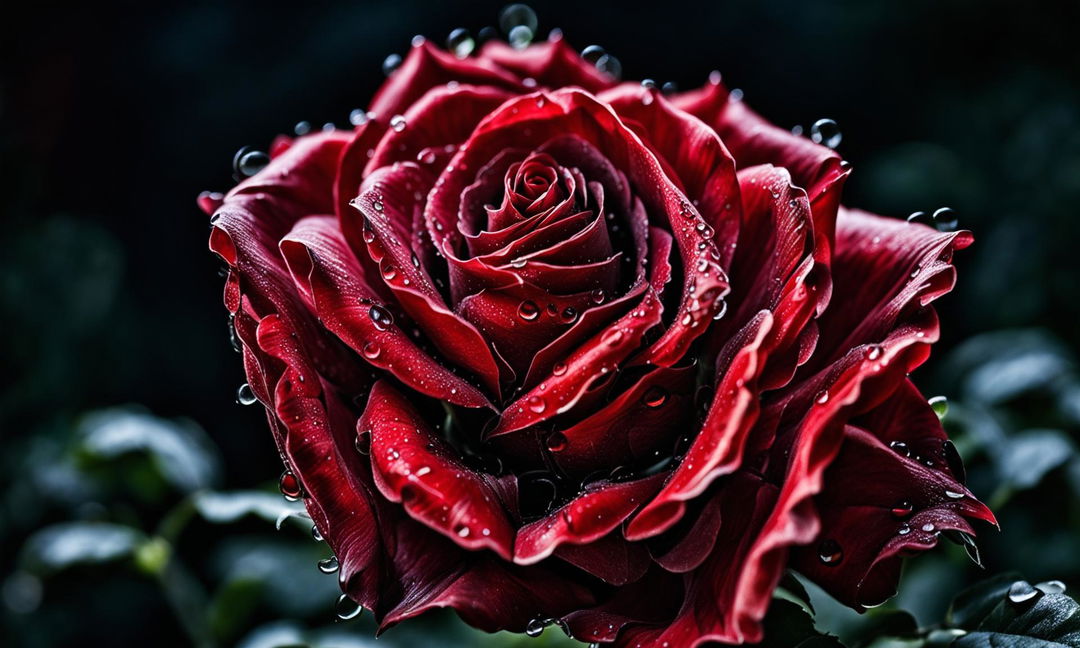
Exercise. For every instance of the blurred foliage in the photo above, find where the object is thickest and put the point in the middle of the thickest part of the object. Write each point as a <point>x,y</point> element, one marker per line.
<point>119,527</point>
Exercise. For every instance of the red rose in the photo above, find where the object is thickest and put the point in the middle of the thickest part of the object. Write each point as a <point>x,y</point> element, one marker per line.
<point>546,348</point>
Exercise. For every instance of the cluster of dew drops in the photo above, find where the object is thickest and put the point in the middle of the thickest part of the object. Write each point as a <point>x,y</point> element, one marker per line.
<point>519,24</point>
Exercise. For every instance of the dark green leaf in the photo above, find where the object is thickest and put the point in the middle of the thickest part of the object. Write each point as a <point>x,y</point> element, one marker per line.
<point>180,451</point>
<point>66,545</point>
<point>787,625</point>
<point>1025,458</point>
<point>1006,612</point>
<point>225,508</point>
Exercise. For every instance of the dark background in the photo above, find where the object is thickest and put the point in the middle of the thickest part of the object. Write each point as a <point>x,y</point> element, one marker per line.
<point>115,117</point>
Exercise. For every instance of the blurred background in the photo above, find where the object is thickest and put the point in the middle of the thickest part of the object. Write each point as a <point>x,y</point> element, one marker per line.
<point>137,498</point>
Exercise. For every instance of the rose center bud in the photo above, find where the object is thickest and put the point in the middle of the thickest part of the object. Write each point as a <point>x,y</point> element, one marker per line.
<point>544,245</point>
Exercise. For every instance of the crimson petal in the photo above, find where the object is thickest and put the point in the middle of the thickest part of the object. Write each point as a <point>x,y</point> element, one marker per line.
<point>587,518</point>
<point>329,277</point>
<point>414,466</point>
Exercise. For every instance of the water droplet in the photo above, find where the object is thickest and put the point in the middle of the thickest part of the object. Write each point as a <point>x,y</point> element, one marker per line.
<point>827,132</point>
<point>363,443</point>
<point>655,397</point>
<point>329,565</point>
<point>900,448</point>
<point>610,66</point>
<point>460,43</point>
<point>919,217</point>
<point>347,608</point>
<point>316,534</point>
<point>391,63</point>
<point>357,117</point>
<point>381,317</point>
<point>388,271</point>
<point>245,395</point>
<point>829,552</point>
<point>536,404</point>
<point>940,405</point>
<point>462,531</point>
<point>247,162</point>
<point>535,627</point>
<point>953,461</point>
<point>902,510</point>
<point>822,397</point>
<point>1051,587</point>
<point>558,369</point>
<point>556,442</point>
<point>928,527</point>
<point>302,127</point>
<point>426,156</point>
<point>397,122</point>
<point>873,352</point>
<point>371,350</point>
<point>904,530</point>
<point>528,310</point>
<point>1022,592</point>
<point>736,94</point>
<point>520,37</point>
<point>569,315</point>
<point>598,296</point>
<point>669,87</point>
<point>951,494</point>
<point>517,15</point>
<point>946,219</point>
<point>592,53</point>
<point>290,486</point>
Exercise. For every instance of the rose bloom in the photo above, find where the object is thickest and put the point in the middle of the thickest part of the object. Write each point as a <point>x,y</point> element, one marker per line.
<point>545,348</point>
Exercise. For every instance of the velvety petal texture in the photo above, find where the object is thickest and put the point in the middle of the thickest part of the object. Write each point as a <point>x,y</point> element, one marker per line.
<point>548,349</point>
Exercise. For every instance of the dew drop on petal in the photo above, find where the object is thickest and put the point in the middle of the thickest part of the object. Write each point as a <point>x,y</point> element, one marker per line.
<point>347,608</point>
<point>902,510</point>
<point>829,552</point>
<point>290,486</point>
<point>391,63</point>
<point>460,43</point>
<point>945,219</point>
<point>329,565</point>
<point>381,317</point>
<point>655,397</point>
<point>536,404</point>
<point>397,122</point>
<point>528,310</point>
<point>940,405</point>
<point>556,442</point>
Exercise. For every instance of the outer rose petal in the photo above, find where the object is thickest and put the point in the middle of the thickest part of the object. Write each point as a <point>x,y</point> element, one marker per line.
<point>902,509</point>
<point>552,64</point>
<point>412,465</point>
<point>752,140</point>
<point>426,67</point>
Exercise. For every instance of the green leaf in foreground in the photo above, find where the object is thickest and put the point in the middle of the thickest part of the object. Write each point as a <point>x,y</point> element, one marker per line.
<point>1006,612</point>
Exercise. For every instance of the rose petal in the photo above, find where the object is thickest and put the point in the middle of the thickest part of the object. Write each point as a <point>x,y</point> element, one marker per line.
<point>718,447</point>
<point>425,67</point>
<point>414,466</point>
<point>588,517</point>
<point>628,430</point>
<point>552,64</point>
<point>435,126</point>
<point>870,524</point>
<point>328,276</point>
<point>387,202</point>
